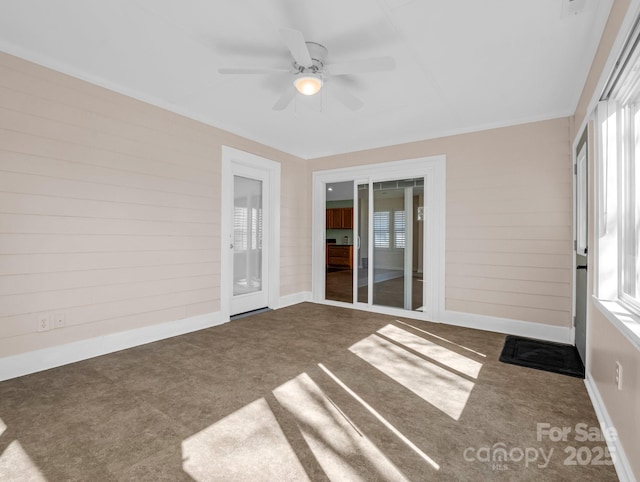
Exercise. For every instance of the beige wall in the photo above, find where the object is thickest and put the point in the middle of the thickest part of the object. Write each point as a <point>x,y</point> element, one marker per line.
<point>508,218</point>
<point>110,210</point>
<point>607,346</point>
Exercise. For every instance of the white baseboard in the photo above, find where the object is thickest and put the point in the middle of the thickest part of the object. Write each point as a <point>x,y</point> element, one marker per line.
<point>295,298</point>
<point>511,327</point>
<point>527,329</point>
<point>44,359</point>
<point>31,362</point>
<point>621,462</point>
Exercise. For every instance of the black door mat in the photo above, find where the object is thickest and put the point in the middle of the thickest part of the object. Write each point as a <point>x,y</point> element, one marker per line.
<point>542,355</point>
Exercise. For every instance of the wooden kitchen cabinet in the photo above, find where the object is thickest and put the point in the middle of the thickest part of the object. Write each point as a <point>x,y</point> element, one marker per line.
<point>340,218</point>
<point>334,220</point>
<point>346,215</point>
<point>340,255</point>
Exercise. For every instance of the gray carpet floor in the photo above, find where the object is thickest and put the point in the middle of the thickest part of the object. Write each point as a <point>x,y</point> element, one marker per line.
<point>308,392</point>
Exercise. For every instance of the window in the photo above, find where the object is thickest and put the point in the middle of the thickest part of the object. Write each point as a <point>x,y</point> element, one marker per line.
<point>381,229</point>
<point>384,229</point>
<point>630,205</point>
<point>247,228</point>
<point>399,232</point>
<point>240,228</point>
<point>618,183</point>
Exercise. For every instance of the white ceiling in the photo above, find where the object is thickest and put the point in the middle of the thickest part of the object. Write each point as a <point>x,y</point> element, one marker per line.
<point>461,65</point>
<point>339,191</point>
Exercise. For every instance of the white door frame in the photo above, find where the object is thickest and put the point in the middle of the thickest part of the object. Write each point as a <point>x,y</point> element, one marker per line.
<point>232,159</point>
<point>433,169</point>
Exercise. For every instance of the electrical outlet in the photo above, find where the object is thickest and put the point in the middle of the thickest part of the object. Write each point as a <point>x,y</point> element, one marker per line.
<point>619,375</point>
<point>43,321</point>
<point>59,319</point>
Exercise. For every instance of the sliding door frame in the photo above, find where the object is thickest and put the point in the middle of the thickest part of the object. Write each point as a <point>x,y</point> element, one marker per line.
<point>433,170</point>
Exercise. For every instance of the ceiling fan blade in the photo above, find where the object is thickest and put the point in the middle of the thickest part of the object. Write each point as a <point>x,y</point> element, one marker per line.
<point>377,64</point>
<point>285,99</point>
<point>252,71</point>
<point>344,97</point>
<point>294,40</point>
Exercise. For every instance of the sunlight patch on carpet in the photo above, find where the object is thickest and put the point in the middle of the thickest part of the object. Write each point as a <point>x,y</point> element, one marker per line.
<point>380,418</point>
<point>15,464</point>
<point>343,452</point>
<point>441,388</point>
<point>442,339</point>
<point>246,445</point>
<point>438,353</point>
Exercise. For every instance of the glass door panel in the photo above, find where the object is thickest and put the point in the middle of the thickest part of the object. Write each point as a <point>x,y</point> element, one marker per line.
<point>247,235</point>
<point>340,242</point>
<point>362,244</point>
<point>397,239</point>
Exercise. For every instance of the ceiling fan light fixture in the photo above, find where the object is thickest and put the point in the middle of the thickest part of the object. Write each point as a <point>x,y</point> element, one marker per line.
<point>308,84</point>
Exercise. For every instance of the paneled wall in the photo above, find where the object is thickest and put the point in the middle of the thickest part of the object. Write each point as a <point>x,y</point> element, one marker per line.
<point>508,216</point>
<point>110,211</point>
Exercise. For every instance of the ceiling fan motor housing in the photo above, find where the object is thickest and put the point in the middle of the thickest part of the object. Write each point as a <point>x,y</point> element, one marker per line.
<point>318,55</point>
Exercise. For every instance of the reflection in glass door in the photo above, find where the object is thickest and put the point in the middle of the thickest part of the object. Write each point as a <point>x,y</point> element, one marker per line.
<point>398,245</point>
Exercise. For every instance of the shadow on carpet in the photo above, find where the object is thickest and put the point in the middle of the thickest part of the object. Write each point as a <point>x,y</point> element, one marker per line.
<point>542,355</point>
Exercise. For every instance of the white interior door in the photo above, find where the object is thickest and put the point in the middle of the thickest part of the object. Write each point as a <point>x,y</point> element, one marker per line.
<point>250,230</point>
<point>582,293</point>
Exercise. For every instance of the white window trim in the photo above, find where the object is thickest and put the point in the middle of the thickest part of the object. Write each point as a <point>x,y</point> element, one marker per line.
<point>620,317</point>
<point>628,157</point>
<point>608,216</point>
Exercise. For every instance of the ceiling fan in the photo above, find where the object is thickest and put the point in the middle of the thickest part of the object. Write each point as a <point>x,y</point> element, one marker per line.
<point>310,70</point>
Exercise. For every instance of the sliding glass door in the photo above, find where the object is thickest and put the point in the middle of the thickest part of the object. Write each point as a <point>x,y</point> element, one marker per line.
<point>394,247</point>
